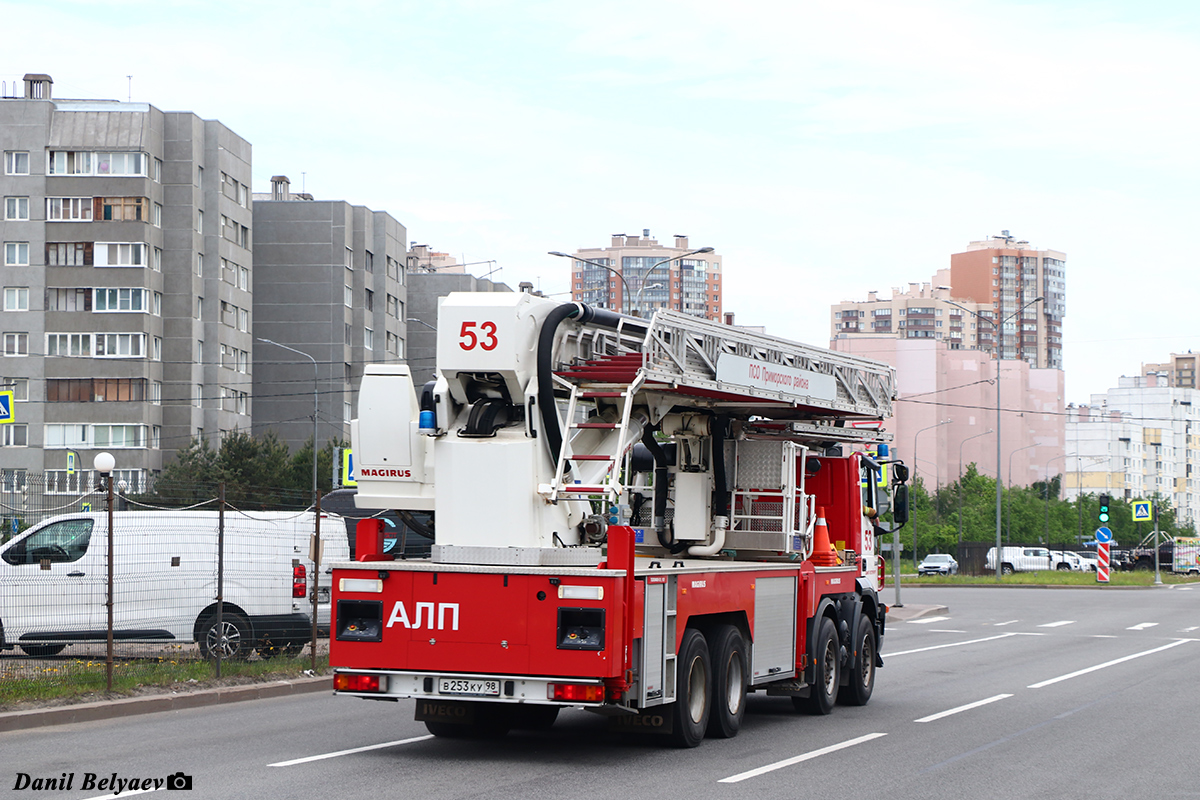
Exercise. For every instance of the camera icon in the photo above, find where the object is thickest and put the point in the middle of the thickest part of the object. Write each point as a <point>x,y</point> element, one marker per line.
<point>179,781</point>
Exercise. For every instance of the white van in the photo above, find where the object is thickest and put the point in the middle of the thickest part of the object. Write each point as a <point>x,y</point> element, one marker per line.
<point>54,578</point>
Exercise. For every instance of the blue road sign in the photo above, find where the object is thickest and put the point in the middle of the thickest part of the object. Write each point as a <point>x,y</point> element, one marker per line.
<point>85,507</point>
<point>1141,511</point>
<point>6,406</point>
<point>1103,535</point>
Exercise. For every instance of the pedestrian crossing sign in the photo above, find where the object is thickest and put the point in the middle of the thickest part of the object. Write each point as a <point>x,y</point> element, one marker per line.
<point>1141,511</point>
<point>6,406</point>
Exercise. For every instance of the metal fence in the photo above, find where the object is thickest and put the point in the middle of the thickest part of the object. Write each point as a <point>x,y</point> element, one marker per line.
<point>170,590</point>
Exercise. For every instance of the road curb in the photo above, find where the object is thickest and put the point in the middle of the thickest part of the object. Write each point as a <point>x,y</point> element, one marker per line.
<point>133,706</point>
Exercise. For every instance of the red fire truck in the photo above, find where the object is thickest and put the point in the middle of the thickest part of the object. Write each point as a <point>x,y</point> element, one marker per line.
<point>644,518</point>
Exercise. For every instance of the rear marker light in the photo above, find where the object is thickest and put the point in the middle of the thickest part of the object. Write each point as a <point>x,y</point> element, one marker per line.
<point>360,585</point>
<point>580,592</point>
<point>299,581</point>
<point>343,682</point>
<point>576,692</point>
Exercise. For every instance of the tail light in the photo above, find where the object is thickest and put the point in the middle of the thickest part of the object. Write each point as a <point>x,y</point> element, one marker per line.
<point>343,682</point>
<point>299,581</point>
<point>576,692</point>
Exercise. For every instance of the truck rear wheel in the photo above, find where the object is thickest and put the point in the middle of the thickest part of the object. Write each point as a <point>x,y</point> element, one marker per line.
<point>826,669</point>
<point>727,651</point>
<point>862,680</point>
<point>232,639</point>
<point>1006,569</point>
<point>693,680</point>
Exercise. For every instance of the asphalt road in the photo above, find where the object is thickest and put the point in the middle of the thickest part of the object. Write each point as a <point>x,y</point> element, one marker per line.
<point>1013,693</point>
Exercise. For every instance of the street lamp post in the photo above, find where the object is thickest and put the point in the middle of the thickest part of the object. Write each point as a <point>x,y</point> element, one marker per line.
<point>316,377</point>
<point>637,301</point>
<point>1008,530</point>
<point>1046,492</point>
<point>625,283</point>
<point>104,463</point>
<point>960,474</point>
<point>996,329</point>
<point>649,272</point>
<point>624,296</point>
<point>914,517</point>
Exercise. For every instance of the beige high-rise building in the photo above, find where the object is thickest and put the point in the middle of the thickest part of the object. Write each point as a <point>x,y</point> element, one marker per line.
<point>1180,371</point>
<point>994,278</point>
<point>643,275</point>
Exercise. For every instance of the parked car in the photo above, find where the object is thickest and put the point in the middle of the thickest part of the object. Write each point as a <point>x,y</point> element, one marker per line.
<point>938,564</point>
<point>1089,559</point>
<point>1032,559</point>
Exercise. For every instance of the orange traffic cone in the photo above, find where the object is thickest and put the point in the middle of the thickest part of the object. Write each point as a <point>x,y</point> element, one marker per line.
<point>823,553</point>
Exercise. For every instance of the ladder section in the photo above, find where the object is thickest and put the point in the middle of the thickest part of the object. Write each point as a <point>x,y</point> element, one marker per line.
<point>689,352</point>
<point>595,441</point>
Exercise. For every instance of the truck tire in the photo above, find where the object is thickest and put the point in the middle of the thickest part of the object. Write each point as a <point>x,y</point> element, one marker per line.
<point>826,670</point>
<point>534,718</point>
<point>1006,569</point>
<point>42,650</point>
<point>233,640</point>
<point>727,651</point>
<point>862,679</point>
<point>1063,567</point>
<point>693,682</point>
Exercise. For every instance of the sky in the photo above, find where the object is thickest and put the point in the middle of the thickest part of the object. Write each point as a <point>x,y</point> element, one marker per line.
<point>824,149</point>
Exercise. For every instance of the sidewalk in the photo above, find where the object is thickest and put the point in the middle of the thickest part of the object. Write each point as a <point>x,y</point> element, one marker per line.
<point>132,706</point>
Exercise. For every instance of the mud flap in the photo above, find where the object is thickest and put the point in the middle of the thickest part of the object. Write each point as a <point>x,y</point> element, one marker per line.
<point>452,711</point>
<point>656,720</point>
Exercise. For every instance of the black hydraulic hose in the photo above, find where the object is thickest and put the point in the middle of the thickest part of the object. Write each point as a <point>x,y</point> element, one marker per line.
<point>721,495</point>
<point>661,480</point>
<point>545,363</point>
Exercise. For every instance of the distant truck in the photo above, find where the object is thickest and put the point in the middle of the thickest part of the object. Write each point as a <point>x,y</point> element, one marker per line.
<point>1033,559</point>
<point>1180,554</point>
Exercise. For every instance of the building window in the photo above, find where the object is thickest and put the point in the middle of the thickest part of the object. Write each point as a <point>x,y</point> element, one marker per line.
<point>18,386</point>
<point>199,308</point>
<point>16,254</point>
<point>69,254</point>
<point>68,209</point>
<point>12,480</point>
<point>158,170</point>
<point>199,351</point>
<point>14,435</point>
<point>228,314</point>
<point>69,345</point>
<point>120,254</point>
<point>156,309</point>
<point>16,298</point>
<point>16,208</point>
<point>349,258</point>
<point>156,349</point>
<point>16,163</point>
<point>199,222</point>
<point>118,436</point>
<point>393,344</point>
<point>393,306</point>
<point>348,297</point>
<point>120,345</point>
<point>369,300</point>
<point>200,265</point>
<point>156,394</point>
<point>369,264</point>
<point>243,320</point>
<point>68,300</point>
<point>243,278</point>
<point>157,259</point>
<point>121,209</point>
<point>243,195</point>
<point>198,395</point>
<point>368,339</point>
<point>158,215</point>
<point>347,413</point>
<point>95,390</point>
<point>121,300</point>
<point>16,344</point>
<point>244,237</point>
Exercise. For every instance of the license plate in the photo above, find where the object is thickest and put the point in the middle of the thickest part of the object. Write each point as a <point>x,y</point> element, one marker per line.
<point>479,688</point>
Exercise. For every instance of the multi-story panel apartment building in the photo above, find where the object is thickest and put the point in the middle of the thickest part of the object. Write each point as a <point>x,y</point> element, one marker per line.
<point>117,219</point>
<point>1138,440</point>
<point>643,275</point>
<point>330,283</point>
<point>923,311</point>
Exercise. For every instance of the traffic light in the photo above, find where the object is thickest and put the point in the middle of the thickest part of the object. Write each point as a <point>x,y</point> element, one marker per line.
<point>1104,500</point>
